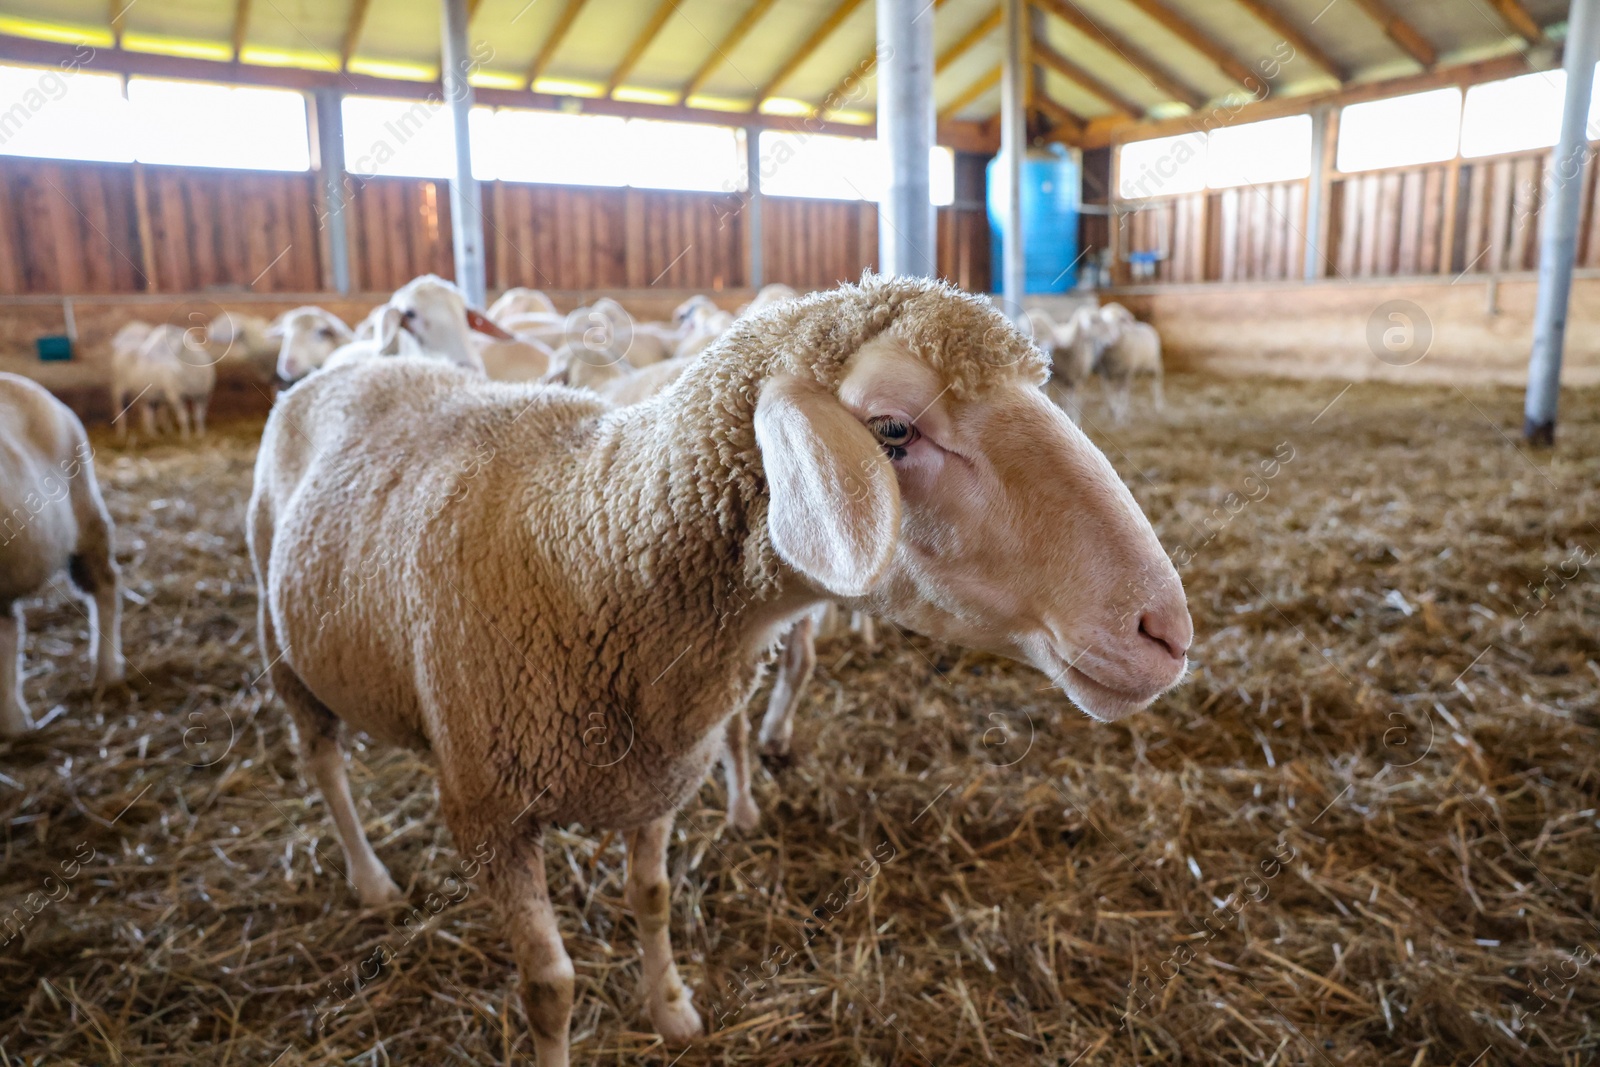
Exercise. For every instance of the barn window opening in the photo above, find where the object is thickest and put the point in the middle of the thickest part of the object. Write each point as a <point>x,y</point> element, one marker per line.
<point>396,138</point>
<point>841,168</point>
<point>1400,131</point>
<point>1163,166</point>
<point>1259,153</point>
<point>200,124</point>
<point>64,113</point>
<point>1515,115</point>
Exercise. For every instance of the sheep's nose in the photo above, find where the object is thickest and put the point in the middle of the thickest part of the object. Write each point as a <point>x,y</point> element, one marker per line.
<point>1170,627</point>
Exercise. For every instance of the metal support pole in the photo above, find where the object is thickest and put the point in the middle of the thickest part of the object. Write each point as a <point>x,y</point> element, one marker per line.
<point>756,275</point>
<point>1558,239</point>
<point>1316,190</point>
<point>466,200</point>
<point>907,227</point>
<point>1013,146</point>
<point>335,194</point>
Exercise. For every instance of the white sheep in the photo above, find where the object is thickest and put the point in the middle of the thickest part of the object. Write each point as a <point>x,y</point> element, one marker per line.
<point>246,340</point>
<point>161,364</point>
<point>768,295</point>
<point>1133,350</point>
<point>51,520</point>
<point>520,301</point>
<point>516,360</point>
<point>565,601</point>
<point>699,322</point>
<point>306,337</point>
<point>427,316</point>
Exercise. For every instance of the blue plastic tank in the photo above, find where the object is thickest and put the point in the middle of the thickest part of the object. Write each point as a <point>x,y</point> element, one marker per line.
<point>1052,188</point>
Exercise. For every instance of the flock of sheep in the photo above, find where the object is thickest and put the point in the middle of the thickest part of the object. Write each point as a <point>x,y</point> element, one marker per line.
<point>568,593</point>
<point>1105,341</point>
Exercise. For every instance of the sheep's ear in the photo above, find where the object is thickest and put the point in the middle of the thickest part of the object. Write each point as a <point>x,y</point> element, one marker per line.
<point>389,332</point>
<point>478,322</point>
<point>834,508</point>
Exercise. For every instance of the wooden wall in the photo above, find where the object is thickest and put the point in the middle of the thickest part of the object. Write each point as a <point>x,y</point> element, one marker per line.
<point>1477,216</point>
<point>87,228</point>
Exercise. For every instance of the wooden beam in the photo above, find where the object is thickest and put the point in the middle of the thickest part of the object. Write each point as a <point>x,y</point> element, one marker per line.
<point>835,19</point>
<point>1400,31</point>
<point>352,31</point>
<point>552,40</point>
<point>1063,119</point>
<point>963,44</point>
<point>472,10</point>
<point>119,10</point>
<point>1199,40</point>
<point>1124,50</point>
<point>1105,131</point>
<point>241,23</point>
<point>651,29</point>
<point>1517,17</point>
<point>729,42</point>
<point>965,136</point>
<point>1047,56</point>
<point>868,63</point>
<point>970,93</point>
<point>1303,45</point>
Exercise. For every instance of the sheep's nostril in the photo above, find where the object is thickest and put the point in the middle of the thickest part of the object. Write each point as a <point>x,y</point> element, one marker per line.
<point>1172,633</point>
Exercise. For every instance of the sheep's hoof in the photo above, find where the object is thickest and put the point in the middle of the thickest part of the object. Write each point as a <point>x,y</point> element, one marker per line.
<point>378,890</point>
<point>676,1020</point>
<point>743,815</point>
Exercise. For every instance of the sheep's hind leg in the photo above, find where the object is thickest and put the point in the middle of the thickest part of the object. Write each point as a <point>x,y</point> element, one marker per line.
<point>323,758</point>
<point>649,894</point>
<point>743,814</point>
<point>798,660</point>
<point>13,712</point>
<point>94,571</point>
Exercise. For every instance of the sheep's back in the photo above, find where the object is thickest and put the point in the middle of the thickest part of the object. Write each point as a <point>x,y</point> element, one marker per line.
<point>41,449</point>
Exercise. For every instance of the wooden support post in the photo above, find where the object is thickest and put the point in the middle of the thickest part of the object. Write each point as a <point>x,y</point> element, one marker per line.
<point>147,236</point>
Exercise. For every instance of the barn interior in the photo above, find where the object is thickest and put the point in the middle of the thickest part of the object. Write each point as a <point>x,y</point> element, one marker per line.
<point>1366,233</point>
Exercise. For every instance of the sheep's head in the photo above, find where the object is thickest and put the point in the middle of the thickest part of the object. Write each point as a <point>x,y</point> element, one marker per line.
<point>927,478</point>
<point>306,337</point>
<point>693,310</point>
<point>434,312</point>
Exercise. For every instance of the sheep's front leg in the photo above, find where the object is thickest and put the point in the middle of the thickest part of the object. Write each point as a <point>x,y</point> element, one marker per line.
<point>795,665</point>
<point>743,815</point>
<point>517,881</point>
<point>664,993</point>
<point>95,572</point>
<point>13,712</point>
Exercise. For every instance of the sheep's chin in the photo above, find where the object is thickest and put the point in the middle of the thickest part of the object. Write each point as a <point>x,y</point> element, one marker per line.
<point>1097,700</point>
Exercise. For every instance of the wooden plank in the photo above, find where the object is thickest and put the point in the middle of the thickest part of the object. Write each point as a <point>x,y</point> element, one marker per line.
<point>1199,40</point>
<point>1113,98</point>
<point>1590,230</point>
<point>1409,260</point>
<point>1368,256</point>
<point>630,58</point>
<point>1501,191</point>
<point>1230,235</point>
<point>1388,223</point>
<point>354,21</point>
<point>1400,31</point>
<point>963,44</point>
<point>1124,50</point>
<point>241,26</point>
<point>147,241</point>
<point>835,18</point>
<point>1524,213</point>
<point>1303,45</point>
<point>1517,18</point>
<point>1475,247</point>
<point>1431,228</point>
<point>971,93</point>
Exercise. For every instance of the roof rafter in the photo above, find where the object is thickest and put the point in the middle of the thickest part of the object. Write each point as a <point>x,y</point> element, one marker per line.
<point>970,93</point>
<point>552,41</point>
<point>1124,49</point>
<point>352,31</point>
<point>1063,119</point>
<point>1400,31</point>
<point>241,23</point>
<point>1517,17</point>
<point>652,28</point>
<point>823,31</point>
<point>119,9</point>
<point>730,40</point>
<point>1303,45</point>
<point>856,74</point>
<point>1046,56</point>
<point>1199,40</point>
<point>963,44</point>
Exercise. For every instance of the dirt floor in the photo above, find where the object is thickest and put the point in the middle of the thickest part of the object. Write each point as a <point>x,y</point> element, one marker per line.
<point>1364,832</point>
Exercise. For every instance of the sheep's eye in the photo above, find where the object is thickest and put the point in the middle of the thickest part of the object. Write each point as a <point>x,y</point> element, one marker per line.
<point>895,435</point>
<point>409,314</point>
<point>327,334</point>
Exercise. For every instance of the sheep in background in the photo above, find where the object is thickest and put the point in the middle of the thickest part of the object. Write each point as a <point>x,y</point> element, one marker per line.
<point>428,317</point>
<point>307,337</point>
<point>520,301</point>
<point>52,519</point>
<point>247,340</point>
<point>1133,350</point>
<point>766,296</point>
<point>569,628</point>
<point>1073,348</point>
<point>159,365</point>
<point>517,360</point>
<point>699,323</point>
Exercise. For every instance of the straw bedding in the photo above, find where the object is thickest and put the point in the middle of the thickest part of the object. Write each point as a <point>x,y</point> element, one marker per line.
<point>1364,832</point>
